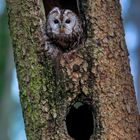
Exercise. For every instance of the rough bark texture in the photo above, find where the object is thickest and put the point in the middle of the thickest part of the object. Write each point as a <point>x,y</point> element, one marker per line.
<point>24,19</point>
<point>97,74</point>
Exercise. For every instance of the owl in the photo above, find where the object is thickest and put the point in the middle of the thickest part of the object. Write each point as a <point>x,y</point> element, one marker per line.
<point>63,29</point>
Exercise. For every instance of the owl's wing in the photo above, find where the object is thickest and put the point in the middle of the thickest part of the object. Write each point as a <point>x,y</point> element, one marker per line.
<point>51,48</point>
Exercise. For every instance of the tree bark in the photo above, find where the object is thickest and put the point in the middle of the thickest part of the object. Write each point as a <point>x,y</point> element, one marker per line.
<point>95,81</point>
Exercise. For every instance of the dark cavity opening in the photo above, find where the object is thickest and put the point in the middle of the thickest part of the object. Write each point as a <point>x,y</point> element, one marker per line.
<point>63,4</point>
<point>80,122</point>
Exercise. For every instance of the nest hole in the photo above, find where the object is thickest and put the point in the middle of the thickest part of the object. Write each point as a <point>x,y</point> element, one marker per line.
<point>80,122</point>
<point>63,4</point>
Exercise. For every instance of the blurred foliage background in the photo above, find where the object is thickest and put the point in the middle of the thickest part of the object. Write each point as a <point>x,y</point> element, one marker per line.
<point>11,120</point>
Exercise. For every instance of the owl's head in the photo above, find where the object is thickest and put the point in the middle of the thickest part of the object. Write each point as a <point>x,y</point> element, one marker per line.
<point>62,22</point>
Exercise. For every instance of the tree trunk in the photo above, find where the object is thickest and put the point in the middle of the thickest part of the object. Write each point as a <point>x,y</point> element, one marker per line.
<point>88,96</point>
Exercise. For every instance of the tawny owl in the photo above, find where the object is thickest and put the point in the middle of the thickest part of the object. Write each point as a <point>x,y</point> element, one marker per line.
<point>64,29</point>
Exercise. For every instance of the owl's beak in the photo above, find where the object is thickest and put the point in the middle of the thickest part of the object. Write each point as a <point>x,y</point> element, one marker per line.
<point>62,30</point>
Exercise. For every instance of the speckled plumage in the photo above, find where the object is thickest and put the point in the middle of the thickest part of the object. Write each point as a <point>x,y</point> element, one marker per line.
<point>63,29</point>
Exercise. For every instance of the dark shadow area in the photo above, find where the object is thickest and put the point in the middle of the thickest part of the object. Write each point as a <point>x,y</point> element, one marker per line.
<point>63,4</point>
<point>70,4</point>
<point>79,122</point>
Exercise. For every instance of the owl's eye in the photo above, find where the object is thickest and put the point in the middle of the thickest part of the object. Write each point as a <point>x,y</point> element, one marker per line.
<point>56,21</point>
<point>68,21</point>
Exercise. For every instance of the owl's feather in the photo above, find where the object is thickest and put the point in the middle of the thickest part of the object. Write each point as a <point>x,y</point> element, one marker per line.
<point>64,29</point>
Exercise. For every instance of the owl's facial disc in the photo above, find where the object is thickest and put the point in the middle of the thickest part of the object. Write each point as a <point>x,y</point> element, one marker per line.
<point>54,24</point>
<point>54,20</point>
<point>69,23</point>
<point>62,23</point>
